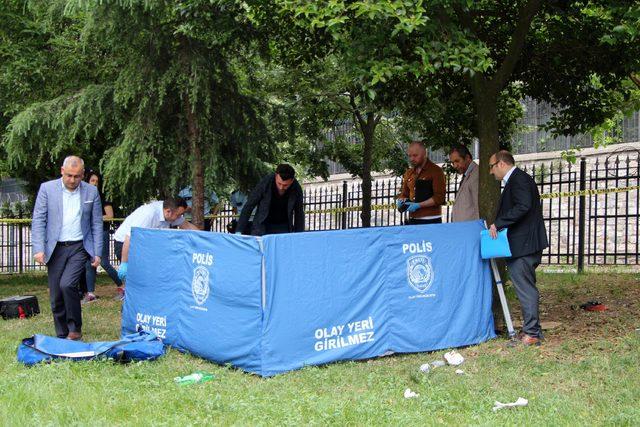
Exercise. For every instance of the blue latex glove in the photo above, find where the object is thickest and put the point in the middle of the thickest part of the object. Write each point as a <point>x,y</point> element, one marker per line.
<point>399,202</point>
<point>413,207</point>
<point>238,233</point>
<point>122,270</point>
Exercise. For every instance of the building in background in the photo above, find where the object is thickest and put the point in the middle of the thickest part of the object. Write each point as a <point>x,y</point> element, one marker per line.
<point>12,190</point>
<point>531,138</point>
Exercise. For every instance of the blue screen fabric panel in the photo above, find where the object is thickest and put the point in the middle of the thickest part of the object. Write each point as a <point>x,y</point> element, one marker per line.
<point>155,284</point>
<point>228,323</point>
<point>199,291</point>
<point>439,289</point>
<point>325,299</point>
<point>332,295</point>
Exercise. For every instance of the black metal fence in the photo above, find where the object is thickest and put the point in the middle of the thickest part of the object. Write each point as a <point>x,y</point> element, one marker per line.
<point>613,217</point>
<point>599,229</point>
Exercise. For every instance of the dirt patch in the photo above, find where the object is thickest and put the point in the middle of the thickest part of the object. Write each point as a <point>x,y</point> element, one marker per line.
<point>562,294</point>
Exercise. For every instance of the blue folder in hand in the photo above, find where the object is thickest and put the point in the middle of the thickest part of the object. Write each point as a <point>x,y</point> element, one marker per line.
<point>494,248</point>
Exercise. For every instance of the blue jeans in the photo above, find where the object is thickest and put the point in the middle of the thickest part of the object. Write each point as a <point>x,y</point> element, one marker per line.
<point>105,263</point>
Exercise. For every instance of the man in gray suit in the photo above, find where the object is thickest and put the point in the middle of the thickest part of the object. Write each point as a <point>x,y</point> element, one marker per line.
<point>465,207</point>
<point>66,230</point>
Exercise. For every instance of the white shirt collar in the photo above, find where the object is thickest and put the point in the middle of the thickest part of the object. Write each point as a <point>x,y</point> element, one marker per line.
<point>469,168</point>
<point>508,175</point>
<point>64,188</point>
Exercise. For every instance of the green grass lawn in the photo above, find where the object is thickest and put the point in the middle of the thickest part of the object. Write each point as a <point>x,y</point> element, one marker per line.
<point>588,372</point>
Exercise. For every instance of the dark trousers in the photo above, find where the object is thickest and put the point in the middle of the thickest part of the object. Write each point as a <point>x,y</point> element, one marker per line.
<point>232,227</point>
<point>276,228</point>
<point>247,230</point>
<point>414,221</point>
<point>117,250</point>
<point>523,275</point>
<point>65,267</point>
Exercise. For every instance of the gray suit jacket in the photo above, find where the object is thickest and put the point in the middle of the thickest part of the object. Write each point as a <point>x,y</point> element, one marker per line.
<point>47,218</point>
<point>465,208</point>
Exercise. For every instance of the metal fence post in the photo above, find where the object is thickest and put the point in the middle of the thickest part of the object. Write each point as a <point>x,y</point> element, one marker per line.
<point>582,214</point>
<point>20,248</point>
<point>345,201</point>
<point>11,248</point>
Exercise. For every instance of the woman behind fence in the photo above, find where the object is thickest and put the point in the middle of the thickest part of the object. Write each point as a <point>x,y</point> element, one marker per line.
<point>94,178</point>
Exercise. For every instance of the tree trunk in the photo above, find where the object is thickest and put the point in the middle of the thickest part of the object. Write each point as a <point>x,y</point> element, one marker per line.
<point>197,184</point>
<point>486,103</point>
<point>487,123</point>
<point>368,128</point>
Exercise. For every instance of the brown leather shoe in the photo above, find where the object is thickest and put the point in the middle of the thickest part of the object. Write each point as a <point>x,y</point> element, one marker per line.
<point>524,339</point>
<point>75,336</point>
<point>529,340</point>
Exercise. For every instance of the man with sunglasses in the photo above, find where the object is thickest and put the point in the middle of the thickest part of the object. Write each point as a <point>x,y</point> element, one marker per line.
<point>520,212</point>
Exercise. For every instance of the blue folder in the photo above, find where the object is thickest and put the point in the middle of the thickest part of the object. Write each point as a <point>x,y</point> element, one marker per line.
<point>494,248</point>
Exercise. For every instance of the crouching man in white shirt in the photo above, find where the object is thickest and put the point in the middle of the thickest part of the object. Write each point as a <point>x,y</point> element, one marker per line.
<point>160,214</point>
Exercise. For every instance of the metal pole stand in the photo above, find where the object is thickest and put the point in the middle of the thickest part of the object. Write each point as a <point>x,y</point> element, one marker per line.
<point>503,299</point>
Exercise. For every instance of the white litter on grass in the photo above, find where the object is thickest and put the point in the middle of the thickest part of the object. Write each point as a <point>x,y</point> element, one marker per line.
<point>438,363</point>
<point>453,358</point>
<point>425,368</point>
<point>459,372</point>
<point>520,402</point>
<point>408,394</point>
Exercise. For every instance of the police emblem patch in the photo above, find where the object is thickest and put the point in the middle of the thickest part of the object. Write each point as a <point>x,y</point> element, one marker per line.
<point>200,285</point>
<point>420,273</point>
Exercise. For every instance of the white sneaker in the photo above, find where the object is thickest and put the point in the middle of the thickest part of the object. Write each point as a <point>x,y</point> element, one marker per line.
<point>89,297</point>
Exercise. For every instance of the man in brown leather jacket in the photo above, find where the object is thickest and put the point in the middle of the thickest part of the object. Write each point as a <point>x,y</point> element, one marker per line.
<point>426,175</point>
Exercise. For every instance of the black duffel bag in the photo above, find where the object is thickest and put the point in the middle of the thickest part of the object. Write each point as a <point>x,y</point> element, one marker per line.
<point>19,306</point>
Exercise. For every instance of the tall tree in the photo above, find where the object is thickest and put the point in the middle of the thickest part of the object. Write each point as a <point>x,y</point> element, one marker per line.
<point>41,58</point>
<point>572,54</point>
<point>340,122</point>
<point>330,72</point>
<point>172,110</point>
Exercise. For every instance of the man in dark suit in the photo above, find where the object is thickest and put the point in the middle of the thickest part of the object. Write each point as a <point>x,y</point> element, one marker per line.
<point>278,200</point>
<point>520,212</point>
<point>66,231</point>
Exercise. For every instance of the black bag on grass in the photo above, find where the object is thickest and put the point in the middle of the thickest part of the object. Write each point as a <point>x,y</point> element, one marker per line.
<point>19,306</point>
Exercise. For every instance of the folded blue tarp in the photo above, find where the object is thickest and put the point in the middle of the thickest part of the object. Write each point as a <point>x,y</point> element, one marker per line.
<point>272,304</point>
<point>137,346</point>
<point>494,248</point>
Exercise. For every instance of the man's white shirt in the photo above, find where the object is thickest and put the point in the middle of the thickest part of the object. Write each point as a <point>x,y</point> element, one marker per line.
<point>150,215</point>
<point>71,230</point>
<point>506,178</point>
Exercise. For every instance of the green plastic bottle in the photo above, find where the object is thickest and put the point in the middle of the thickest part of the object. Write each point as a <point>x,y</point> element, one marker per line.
<point>196,377</point>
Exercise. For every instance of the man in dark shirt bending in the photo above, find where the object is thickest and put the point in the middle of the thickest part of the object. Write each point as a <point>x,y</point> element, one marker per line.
<point>279,201</point>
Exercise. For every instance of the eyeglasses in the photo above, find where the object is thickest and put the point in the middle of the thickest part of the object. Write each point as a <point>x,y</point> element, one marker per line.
<point>491,165</point>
